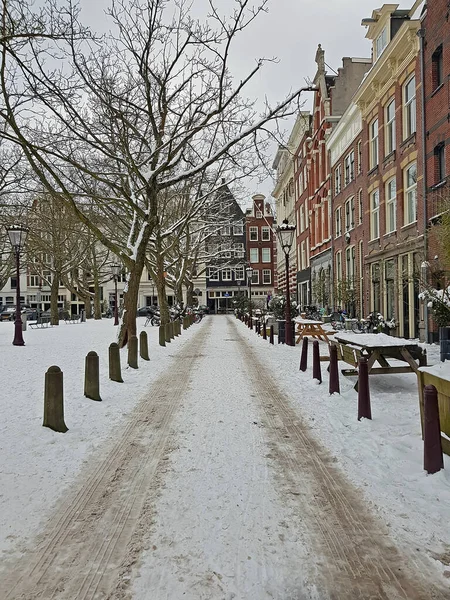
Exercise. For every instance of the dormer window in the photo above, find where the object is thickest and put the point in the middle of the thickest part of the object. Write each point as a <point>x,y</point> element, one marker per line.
<point>380,43</point>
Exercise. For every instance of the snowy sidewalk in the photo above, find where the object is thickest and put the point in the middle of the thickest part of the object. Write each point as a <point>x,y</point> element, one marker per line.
<point>215,487</point>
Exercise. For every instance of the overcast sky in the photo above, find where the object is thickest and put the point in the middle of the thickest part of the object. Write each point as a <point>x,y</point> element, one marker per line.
<point>290,31</point>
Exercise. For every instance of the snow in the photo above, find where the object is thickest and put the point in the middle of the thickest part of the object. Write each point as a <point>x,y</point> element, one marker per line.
<point>440,369</point>
<point>378,340</point>
<point>382,457</point>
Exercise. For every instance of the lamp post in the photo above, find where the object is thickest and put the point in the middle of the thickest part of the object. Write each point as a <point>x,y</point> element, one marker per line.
<point>249,271</point>
<point>17,236</point>
<point>116,272</point>
<point>285,233</point>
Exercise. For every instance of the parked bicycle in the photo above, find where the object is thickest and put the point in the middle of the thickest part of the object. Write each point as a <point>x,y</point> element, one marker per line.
<point>368,325</point>
<point>338,320</point>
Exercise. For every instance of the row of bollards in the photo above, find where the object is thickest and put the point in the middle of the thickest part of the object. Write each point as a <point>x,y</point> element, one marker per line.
<point>260,327</point>
<point>433,457</point>
<point>53,387</point>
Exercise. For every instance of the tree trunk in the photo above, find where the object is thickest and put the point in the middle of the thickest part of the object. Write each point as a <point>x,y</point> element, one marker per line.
<point>162,297</point>
<point>190,294</point>
<point>97,299</point>
<point>54,299</point>
<point>88,307</point>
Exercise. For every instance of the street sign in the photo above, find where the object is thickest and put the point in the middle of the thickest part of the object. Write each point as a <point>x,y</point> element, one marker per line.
<point>227,295</point>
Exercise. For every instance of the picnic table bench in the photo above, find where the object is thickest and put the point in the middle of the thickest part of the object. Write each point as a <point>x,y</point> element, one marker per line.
<point>72,319</point>
<point>310,328</point>
<point>41,323</point>
<point>378,348</point>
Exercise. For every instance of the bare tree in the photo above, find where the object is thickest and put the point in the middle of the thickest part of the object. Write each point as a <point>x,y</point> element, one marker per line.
<point>113,122</point>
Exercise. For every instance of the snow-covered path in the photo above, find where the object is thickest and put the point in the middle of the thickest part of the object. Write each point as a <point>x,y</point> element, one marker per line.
<point>215,490</point>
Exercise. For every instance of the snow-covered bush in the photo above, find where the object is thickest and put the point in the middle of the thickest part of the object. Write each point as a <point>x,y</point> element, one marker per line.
<point>438,302</point>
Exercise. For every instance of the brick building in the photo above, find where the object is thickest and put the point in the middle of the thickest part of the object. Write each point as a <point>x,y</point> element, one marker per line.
<point>261,249</point>
<point>434,123</point>
<point>331,99</point>
<point>345,156</point>
<point>393,220</point>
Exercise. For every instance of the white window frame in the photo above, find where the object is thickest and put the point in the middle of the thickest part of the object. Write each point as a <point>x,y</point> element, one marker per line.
<point>349,167</point>
<point>375,214</point>
<point>391,205</point>
<point>253,233</point>
<point>265,234</point>
<point>380,43</point>
<point>267,277</point>
<point>255,276</point>
<point>373,143</point>
<point>338,266</point>
<point>238,229</point>
<point>213,274</point>
<point>337,180</point>
<point>350,214</point>
<point>259,214</point>
<point>239,250</point>
<point>338,221</point>
<point>226,274</point>
<point>225,230</point>
<point>360,206</point>
<point>266,255</point>
<point>254,252</point>
<point>389,128</point>
<point>359,148</point>
<point>409,108</point>
<point>410,195</point>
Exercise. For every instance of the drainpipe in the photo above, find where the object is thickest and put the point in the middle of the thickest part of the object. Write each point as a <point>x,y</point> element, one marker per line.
<point>421,34</point>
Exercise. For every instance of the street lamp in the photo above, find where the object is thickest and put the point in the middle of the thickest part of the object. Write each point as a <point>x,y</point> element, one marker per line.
<point>17,236</point>
<point>249,271</point>
<point>115,268</point>
<point>285,233</point>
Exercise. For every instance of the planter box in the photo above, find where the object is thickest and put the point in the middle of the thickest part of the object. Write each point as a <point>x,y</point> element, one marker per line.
<point>282,332</point>
<point>443,389</point>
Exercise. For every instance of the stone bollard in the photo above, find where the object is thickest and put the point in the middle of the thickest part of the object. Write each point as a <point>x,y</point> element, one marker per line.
<point>264,334</point>
<point>304,355</point>
<point>271,334</point>
<point>162,335</point>
<point>171,330</point>
<point>432,447</point>
<point>115,372</point>
<point>167,332</point>
<point>185,323</point>
<point>316,362</point>
<point>178,330</point>
<point>54,400</point>
<point>133,352</point>
<point>334,371</point>
<point>143,346</point>
<point>364,410</point>
<point>92,377</point>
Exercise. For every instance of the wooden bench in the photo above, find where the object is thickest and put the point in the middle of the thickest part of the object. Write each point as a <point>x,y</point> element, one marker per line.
<point>72,319</point>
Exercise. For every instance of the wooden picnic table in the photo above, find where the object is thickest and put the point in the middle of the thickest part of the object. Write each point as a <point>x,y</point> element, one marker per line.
<point>310,328</point>
<point>378,348</point>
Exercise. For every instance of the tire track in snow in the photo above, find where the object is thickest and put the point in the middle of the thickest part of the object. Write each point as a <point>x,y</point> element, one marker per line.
<point>355,557</point>
<point>85,545</point>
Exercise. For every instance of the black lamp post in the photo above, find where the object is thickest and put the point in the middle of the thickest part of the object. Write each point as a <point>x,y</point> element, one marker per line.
<point>17,236</point>
<point>249,271</point>
<point>285,233</point>
<point>116,272</point>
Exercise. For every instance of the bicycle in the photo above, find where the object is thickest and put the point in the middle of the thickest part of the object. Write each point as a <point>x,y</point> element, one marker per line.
<point>368,325</point>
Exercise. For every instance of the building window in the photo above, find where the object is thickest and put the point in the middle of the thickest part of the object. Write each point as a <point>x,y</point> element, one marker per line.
<point>35,280</point>
<point>254,255</point>
<point>239,273</point>
<point>259,214</point>
<point>350,266</point>
<point>391,205</point>
<point>267,276</point>
<point>410,198</point>
<point>337,180</point>
<point>339,266</point>
<point>439,163</point>
<point>376,289</point>
<point>359,157</point>
<point>265,255</point>
<point>265,234</point>
<point>213,274</point>
<point>349,167</point>
<point>390,289</point>
<point>380,43</point>
<point>409,108</point>
<point>373,136</point>
<point>437,75</point>
<point>375,214</point>
<point>253,234</point>
<point>255,276</point>
<point>338,220</point>
<point>302,218</point>
<point>360,207</point>
<point>238,229</point>
<point>225,230</point>
<point>389,136</point>
<point>303,256</point>
<point>239,251</point>
<point>13,283</point>
<point>226,274</point>
<point>350,214</point>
